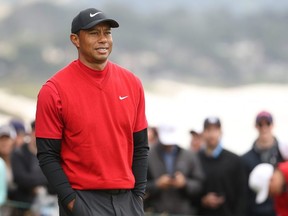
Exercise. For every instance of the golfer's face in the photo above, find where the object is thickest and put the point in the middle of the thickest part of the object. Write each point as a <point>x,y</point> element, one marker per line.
<point>95,44</point>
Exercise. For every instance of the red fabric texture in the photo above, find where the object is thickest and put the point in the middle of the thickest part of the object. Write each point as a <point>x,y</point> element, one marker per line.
<point>281,201</point>
<point>95,114</point>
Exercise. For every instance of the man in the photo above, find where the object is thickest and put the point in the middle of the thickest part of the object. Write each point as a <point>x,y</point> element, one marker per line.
<point>174,176</point>
<point>20,130</point>
<point>27,173</point>
<point>3,185</point>
<point>224,185</point>
<point>153,138</point>
<point>196,140</point>
<point>7,140</point>
<point>265,149</point>
<point>91,127</point>
<point>267,181</point>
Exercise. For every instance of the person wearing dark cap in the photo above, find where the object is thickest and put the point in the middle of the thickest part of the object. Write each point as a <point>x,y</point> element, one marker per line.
<point>265,149</point>
<point>91,127</point>
<point>224,186</point>
<point>20,130</point>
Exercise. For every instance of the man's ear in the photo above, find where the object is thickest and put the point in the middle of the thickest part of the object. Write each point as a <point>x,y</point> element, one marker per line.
<point>74,39</point>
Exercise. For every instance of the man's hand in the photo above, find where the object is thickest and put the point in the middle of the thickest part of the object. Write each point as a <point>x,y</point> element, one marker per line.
<point>179,180</point>
<point>71,205</point>
<point>212,200</point>
<point>164,181</point>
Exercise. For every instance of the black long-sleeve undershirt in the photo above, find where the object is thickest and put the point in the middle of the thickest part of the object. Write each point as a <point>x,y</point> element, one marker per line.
<point>48,153</point>
<point>140,161</point>
<point>49,159</point>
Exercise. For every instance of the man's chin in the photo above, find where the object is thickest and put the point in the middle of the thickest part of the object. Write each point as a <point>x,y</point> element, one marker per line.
<point>101,60</point>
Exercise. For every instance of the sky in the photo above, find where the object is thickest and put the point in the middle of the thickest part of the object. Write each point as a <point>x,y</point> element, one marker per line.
<point>238,6</point>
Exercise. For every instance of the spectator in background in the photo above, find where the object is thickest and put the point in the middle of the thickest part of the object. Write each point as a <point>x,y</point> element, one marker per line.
<point>174,176</point>
<point>153,138</point>
<point>224,185</point>
<point>20,130</point>
<point>196,140</point>
<point>266,181</point>
<point>265,149</point>
<point>3,185</point>
<point>27,173</point>
<point>7,138</point>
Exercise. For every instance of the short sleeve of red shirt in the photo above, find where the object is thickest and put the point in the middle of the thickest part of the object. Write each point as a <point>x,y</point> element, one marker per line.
<point>141,122</point>
<point>48,122</point>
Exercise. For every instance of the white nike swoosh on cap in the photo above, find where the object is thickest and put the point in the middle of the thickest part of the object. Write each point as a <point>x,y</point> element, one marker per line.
<point>92,15</point>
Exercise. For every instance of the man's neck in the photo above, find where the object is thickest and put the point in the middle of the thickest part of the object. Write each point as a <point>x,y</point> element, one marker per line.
<point>99,66</point>
<point>209,150</point>
<point>265,142</point>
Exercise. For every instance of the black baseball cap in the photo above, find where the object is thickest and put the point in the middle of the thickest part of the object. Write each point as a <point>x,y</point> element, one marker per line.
<point>90,17</point>
<point>212,121</point>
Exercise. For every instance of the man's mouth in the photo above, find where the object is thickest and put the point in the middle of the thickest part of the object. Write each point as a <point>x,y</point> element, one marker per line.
<point>102,50</point>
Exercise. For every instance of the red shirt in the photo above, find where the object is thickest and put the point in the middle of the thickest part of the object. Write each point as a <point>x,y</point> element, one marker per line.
<point>281,201</point>
<point>95,114</point>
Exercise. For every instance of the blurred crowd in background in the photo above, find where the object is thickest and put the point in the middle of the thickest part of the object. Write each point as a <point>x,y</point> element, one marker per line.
<point>204,179</point>
<point>24,190</point>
